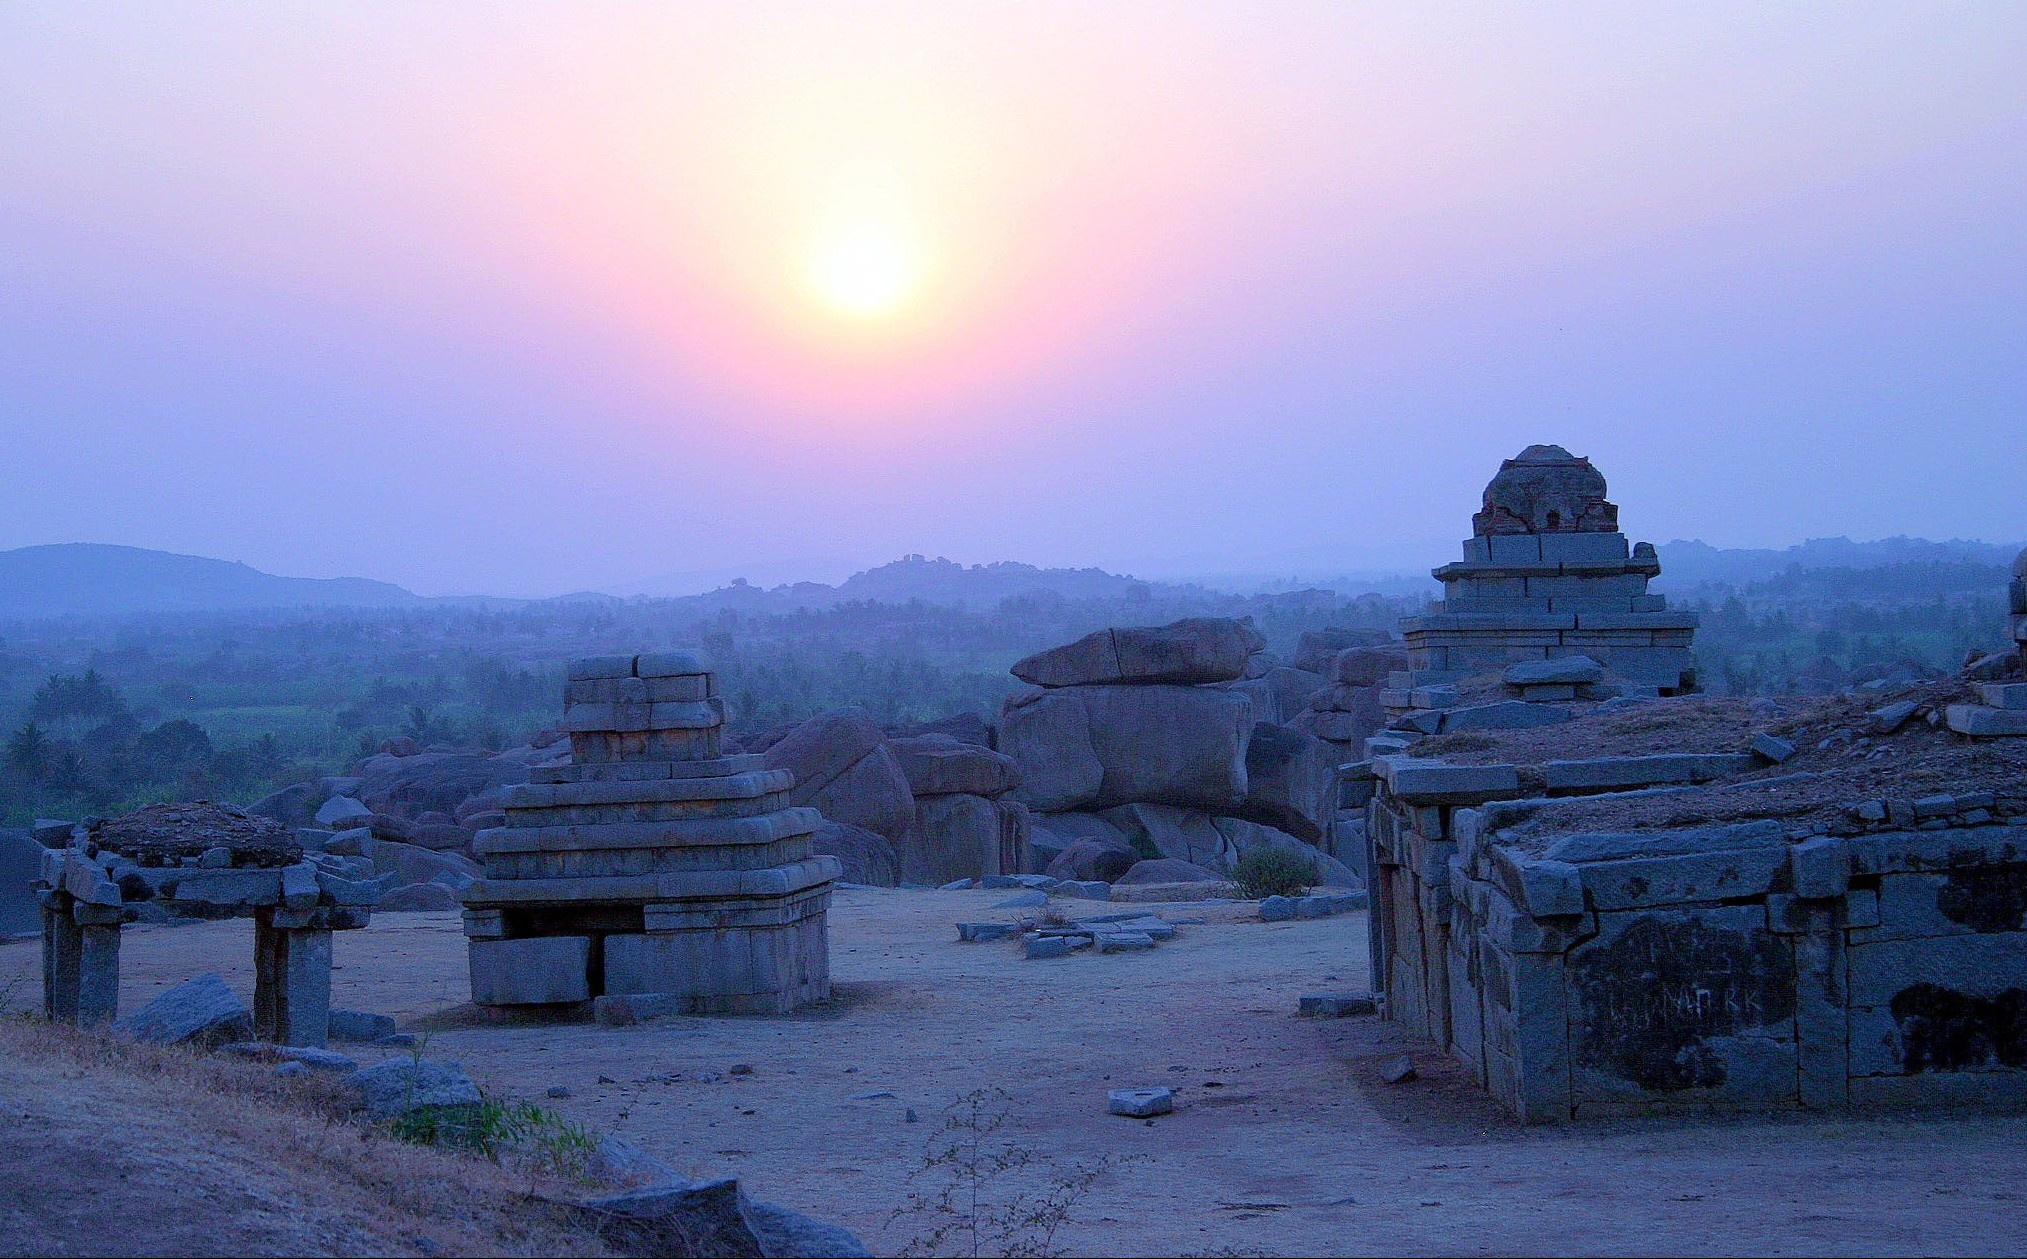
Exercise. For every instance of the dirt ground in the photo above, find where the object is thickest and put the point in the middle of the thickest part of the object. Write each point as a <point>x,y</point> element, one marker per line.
<point>1284,1141</point>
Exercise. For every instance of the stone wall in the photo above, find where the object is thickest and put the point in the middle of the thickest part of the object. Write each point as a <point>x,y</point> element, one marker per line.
<point>1586,974</point>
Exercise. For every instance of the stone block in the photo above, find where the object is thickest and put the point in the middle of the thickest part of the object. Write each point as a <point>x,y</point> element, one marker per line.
<point>1140,1103</point>
<point>1123,941</point>
<point>1336,1005</point>
<point>1981,722</point>
<point>1504,715</point>
<point>1822,868</point>
<point>1594,548</point>
<point>358,1026</point>
<point>2010,696</point>
<point>1660,881</point>
<point>1508,547</point>
<point>986,932</point>
<point>1772,747</point>
<point>291,985</point>
<point>1696,840</point>
<point>1048,946</point>
<point>672,664</point>
<point>1433,781</point>
<point>548,970</point>
<point>198,1011</point>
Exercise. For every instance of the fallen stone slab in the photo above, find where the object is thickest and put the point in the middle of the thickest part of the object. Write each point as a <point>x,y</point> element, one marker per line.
<point>1336,1005</point>
<point>314,1059</point>
<point>1124,941</point>
<point>1140,1103</point>
<point>1397,1070</point>
<point>627,1009</point>
<point>958,885</point>
<point>985,932</point>
<point>1772,747</point>
<point>713,1218</point>
<point>1056,945</point>
<point>1084,889</point>
<point>1512,714</point>
<point>197,1011</point>
<point>399,1086</point>
<point>1036,882</point>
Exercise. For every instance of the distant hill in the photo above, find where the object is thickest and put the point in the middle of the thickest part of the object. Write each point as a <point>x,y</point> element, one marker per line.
<point>89,579</point>
<point>1687,564</point>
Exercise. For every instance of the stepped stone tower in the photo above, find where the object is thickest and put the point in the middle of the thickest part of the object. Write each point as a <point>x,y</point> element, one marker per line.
<point>1546,574</point>
<point>650,865</point>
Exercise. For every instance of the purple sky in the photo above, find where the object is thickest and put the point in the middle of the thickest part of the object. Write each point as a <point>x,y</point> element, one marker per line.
<point>522,300</point>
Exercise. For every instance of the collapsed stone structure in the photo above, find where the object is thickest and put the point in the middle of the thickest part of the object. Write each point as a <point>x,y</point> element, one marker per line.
<point>1745,922</point>
<point>1546,574</point>
<point>650,865</point>
<point>2001,707</point>
<point>1133,746</point>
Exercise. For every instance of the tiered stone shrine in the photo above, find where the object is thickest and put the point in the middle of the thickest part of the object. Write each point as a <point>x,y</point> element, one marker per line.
<point>650,865</point>
<point>1545,575</point>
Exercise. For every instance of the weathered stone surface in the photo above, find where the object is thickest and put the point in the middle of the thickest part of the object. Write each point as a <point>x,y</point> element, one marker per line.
<point>1336,1005</point>
<point>545,970</point>
<point>1289,781</point>
<point>1094,860</point>
<point>864,856</point>
<point>1772,747</point>
<point>1512,714</point>
<point>1566,670</point>
<point>201,1011</point>
<point>359,1026</point>
<point>1318,649</point>
<point>1277,909</point>
<point>1166,870</point>
<point>398,1086</point>
<point>872,794</point>
<point>954,837</point>
<point>1367,666</point>
<point>937,764</point>
<point>713,1218</point>
<point>339,812</point>
<point>417,898</point>
<point>824,747</point>
<point>1986,723</point>
<point>1280,694</point>
<point>1142,1103</point>
<point>1090,747</point>
<point>1422,781</point>
<point>1197,649</point>
<point>1179,834</point>
<point>1545,489</point>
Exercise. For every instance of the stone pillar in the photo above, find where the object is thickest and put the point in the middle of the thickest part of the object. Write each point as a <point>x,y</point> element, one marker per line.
<point>98,972</point>
<point>291,984</point>
<point>62,952</point>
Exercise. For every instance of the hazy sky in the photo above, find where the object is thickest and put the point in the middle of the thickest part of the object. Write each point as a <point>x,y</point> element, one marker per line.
<point>525,299</point>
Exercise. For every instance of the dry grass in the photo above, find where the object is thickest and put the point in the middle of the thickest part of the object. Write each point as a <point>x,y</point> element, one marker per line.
<point>166,1150</point>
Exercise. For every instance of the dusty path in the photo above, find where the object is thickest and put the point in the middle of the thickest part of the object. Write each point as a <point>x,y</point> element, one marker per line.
<point>1284,1142</point>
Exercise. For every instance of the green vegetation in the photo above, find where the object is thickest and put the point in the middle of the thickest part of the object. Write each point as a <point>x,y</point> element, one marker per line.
<point>494,1128</point>
<point>98,716</point>
<point>1265,872</point>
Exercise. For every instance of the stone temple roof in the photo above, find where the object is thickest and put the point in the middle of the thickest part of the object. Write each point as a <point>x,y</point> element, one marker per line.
<point>1546,489</point>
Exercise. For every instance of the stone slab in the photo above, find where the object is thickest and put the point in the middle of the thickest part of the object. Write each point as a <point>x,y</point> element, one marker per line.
<point>548,970</point>
<point>646,889</point>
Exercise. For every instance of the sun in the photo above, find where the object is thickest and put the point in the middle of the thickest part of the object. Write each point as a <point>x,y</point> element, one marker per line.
<point>866,271</point>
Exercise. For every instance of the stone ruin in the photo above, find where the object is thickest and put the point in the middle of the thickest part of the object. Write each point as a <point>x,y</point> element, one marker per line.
<point>650,868</point>
<point>1746,922</point>
<point>200,862</point>
<point>2001,707</point>
<point>1546,576</point>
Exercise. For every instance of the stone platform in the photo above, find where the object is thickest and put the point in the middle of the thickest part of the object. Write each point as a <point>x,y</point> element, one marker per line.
<point>650,865</point>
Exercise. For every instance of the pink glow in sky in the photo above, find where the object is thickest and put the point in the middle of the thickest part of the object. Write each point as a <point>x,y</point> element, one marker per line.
<point>525,299</point>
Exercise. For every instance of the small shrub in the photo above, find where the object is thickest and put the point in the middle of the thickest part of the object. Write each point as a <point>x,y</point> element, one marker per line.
<point>494,1127</point>
<point>1143,848</point>
<point>1265,872</point>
